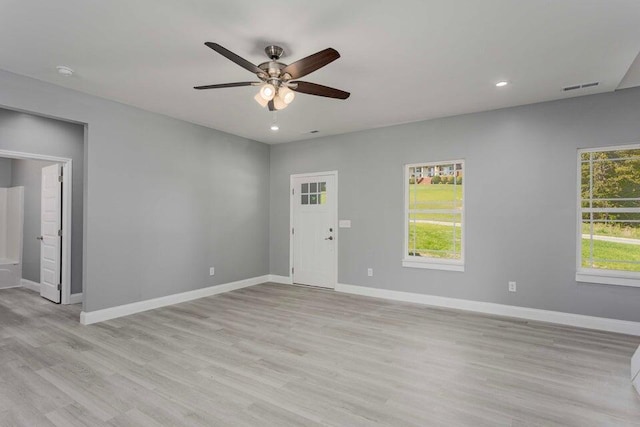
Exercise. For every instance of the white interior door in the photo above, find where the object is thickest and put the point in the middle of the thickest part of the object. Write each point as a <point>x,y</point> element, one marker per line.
<point>314,230</point>
<point>50,227</point>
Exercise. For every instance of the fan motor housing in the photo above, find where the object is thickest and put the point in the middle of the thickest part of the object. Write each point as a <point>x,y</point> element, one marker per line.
<point>272,68</point>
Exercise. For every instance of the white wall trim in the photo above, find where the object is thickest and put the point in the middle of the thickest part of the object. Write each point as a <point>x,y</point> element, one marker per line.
<point>284,280</point>
<point>635,364</point>
<point>432,265</point>
<point>34,286</point>
<point>603,278</point>
<point>75,298</point>
<point>635,370</point>
<point>569,319</point>
<point>87,318</point>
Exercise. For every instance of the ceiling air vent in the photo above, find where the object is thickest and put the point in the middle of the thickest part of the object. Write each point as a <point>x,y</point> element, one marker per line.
<point>583,86</point>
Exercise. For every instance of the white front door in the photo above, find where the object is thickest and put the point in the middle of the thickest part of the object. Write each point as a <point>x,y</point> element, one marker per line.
<point>50,227</point>
<point>314,229</point>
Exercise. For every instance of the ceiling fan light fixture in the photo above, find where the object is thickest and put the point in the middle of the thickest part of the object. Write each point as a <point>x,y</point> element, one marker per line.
<point>279,104</point>
<point>268,91</point>
<point>286,94</point>
<point>275,77</point>
<point>274,127</point>
<point>260,100</point>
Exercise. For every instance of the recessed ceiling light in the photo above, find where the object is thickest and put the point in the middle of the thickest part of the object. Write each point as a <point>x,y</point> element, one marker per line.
<point>64,70</point>
<point>502,84</point>
<point>274,127</point>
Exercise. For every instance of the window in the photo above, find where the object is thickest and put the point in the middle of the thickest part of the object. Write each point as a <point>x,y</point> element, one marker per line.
<point>609,216</point>
<point>434,215</point>
<point>313,193</point>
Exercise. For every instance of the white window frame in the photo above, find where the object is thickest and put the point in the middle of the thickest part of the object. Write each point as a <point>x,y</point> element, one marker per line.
<point>594,275</point>
<point>433,263</point>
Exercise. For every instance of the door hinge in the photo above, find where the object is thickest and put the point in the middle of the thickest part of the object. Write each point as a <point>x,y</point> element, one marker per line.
<point>293,231</point>
<point>59,233</point>
<point>58,286</point>
<point>292,270</point>
<point>60,178</point>
<point>293,191</point>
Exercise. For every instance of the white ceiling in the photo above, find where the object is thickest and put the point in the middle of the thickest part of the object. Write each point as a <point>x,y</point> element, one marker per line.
<point>402,61</point>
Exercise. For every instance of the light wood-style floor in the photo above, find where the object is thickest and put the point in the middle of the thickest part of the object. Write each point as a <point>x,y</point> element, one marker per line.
<point>284,355</point>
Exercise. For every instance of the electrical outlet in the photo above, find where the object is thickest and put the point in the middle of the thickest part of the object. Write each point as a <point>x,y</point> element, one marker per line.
<point>370,272</point>
<point>212,271</point>
<point>512,287</point>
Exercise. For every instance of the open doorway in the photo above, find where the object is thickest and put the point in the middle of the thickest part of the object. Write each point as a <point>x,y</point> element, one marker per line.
<point>28,143</point>
<point>36,224</point>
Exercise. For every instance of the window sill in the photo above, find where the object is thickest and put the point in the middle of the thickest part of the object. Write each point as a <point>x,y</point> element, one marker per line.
<point>432,265</point>
<point>607,278</point>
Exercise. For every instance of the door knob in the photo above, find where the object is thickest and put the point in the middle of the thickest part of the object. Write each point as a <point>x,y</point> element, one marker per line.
<point>40,238</point>
<point>329,238</point>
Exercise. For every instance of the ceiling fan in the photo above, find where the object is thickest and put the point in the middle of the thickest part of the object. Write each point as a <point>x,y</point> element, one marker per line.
<point>278,82</point>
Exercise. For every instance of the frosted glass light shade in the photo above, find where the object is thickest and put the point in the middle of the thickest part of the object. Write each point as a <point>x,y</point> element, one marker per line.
<point>268,91</point>
<point>279,104</point>
<point>260,100</point>
<point>286,94</point>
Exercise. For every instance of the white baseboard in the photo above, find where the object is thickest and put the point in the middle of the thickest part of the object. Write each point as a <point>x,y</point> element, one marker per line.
<point>284,280</point>
<point>75,298</point>
<point>30,285</point>
<point>635,370</point>
<point>635,365</point>
<point>569,319</point>
<point>87,318</point>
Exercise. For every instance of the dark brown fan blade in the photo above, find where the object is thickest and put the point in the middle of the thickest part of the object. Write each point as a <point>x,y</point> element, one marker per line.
<point>311,63</point>
<point>226,85</point>
<point>235,58</point>
<point>271,106</point>
<point>319,90</point>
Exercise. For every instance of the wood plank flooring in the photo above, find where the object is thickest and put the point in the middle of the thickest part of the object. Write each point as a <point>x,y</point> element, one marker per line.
<point>290,356</point>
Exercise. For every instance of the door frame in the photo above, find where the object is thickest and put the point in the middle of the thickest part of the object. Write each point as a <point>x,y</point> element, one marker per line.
<point>334,173</point>
<point>65,282</point>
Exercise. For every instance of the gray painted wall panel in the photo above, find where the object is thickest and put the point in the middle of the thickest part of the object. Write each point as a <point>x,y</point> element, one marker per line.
<point>39,135</point>
<point>164,199</point>
<point>28,173</point>
<point>520,201</point>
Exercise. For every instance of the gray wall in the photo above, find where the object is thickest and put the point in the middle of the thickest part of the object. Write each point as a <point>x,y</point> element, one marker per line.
<point>39,135</point>
<point>159,208</point>
<point>164,199</point>
<point>28,173</point>
<point>520,177</point>
<point>5,173</point>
